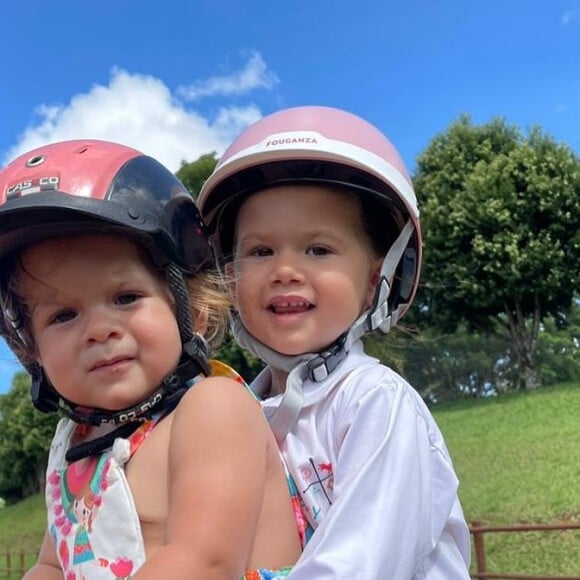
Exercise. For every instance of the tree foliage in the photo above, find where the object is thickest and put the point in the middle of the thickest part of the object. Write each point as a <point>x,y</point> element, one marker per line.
<point>25,436</point>
<point>462,364</point>
<point>501,225</point>
<point>445,367</point>
<point>559,348</point>
<point>247,365</point>
<point>193,174</point>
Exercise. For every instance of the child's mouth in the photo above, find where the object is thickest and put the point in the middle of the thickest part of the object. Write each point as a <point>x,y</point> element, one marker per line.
<point>290,307</point>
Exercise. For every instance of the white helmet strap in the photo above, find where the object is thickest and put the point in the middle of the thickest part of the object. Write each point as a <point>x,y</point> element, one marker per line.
<point>318,366</point>
<point>380,318</point>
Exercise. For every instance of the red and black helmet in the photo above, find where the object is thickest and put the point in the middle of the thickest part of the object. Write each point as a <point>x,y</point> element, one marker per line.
<point>73,185</point>
<point>82,186</point>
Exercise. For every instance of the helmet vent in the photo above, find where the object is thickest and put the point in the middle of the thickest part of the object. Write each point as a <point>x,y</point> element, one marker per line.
<point>35,161</point>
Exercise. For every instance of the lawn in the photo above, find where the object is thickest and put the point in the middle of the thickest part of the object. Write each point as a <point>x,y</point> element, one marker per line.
<point>21,531</point>
<point>518,460</point>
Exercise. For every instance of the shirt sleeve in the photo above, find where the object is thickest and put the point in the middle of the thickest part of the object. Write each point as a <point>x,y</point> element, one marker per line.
<point>395,512</point>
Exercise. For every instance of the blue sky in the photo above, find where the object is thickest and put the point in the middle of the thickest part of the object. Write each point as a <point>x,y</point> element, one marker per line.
<point>177,79</point>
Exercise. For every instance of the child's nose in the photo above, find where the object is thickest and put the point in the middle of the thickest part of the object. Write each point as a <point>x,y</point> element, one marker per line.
<point>101,324</point>
<point>287,270</point>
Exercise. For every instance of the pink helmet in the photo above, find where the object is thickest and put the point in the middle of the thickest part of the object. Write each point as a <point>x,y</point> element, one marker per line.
<point>321,145</point>
<point>82,186</point>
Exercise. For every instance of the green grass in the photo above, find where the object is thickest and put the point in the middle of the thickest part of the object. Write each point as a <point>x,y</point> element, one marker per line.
<point>21,530</point>
<point>518,460</point>
<point>23,524</point>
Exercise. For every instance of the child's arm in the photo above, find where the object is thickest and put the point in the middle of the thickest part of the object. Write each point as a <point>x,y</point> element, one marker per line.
<point>217,462</point>
<point>47,566</point>
<point>395,512</point>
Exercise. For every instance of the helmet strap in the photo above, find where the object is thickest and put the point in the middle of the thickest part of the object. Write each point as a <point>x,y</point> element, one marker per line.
<point>43,396</point>
<point>193,362</point>
<point>99,444</point>
<point>176,283</point>
<point>381,315</point>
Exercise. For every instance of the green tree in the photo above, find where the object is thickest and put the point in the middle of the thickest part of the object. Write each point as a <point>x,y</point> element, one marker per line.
<point>25,436</point>
<point>194,174</point>
<point>501,223</point>
<point>239,359</point>
<point>446,367</point>
<point>559,348</point>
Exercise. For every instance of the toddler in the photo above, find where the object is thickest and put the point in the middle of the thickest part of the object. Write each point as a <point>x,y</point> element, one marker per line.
<point>315,217</point>
<point>164,465</point>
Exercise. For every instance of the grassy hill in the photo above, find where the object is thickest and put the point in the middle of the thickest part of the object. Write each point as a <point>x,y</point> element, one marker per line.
<point>21,530</point>
<point>517,458</point>
<point>23,524</point>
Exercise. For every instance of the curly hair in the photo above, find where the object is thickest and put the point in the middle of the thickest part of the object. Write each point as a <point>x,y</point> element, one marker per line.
<point>210,300</point>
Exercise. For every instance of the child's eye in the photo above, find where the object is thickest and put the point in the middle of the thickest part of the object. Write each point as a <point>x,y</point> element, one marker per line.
<point>318,251</point>
<point>127,298</point>
<point>261,252</point>
<point>62,316</point>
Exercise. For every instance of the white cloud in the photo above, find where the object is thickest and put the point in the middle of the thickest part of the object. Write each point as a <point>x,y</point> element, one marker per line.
<point>140,111</point>
<point>254,75</point>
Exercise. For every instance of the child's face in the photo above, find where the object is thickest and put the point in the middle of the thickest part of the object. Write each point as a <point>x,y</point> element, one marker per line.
<point>102,320</point>
<point>304,269</point>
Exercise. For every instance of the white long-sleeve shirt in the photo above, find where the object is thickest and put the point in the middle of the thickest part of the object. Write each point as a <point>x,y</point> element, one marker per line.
<point>376,478</point>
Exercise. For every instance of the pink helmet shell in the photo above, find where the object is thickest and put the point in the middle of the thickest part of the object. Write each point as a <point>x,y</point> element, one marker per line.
<point>316,134</point>
<point>345,150</point>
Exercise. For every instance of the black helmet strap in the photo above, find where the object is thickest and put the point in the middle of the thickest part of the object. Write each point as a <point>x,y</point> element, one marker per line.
<point>192,363</point>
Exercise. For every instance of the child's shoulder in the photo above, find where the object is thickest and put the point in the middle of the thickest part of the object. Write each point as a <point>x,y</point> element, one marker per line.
<point>223,391</point>
<point>380,388</point>
<point>217,411</point>
<point>374,380</point>
<point>365,370</point>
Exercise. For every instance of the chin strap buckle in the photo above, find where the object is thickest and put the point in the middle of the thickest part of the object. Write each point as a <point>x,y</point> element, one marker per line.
<point>326,361</point>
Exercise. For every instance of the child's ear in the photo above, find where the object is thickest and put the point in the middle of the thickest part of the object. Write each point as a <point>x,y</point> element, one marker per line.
<point>373,281</point>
